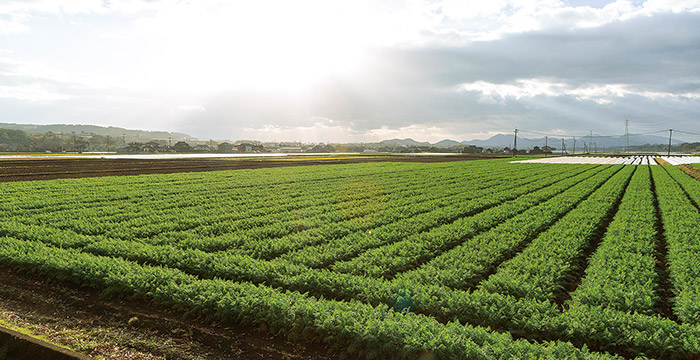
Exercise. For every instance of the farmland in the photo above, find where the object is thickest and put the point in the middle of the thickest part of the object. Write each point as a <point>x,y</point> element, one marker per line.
<point>459,259</point>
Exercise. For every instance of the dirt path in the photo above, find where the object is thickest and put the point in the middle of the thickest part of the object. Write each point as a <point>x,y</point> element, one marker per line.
<point>82,320</point>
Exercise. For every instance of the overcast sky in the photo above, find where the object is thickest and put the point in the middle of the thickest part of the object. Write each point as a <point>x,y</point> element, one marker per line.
<point>342,71</point>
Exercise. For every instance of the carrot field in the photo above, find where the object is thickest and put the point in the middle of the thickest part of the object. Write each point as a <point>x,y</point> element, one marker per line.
<point>480,259</point>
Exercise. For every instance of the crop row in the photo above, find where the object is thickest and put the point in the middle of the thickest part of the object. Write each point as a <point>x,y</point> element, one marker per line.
<point>466,265</point>
<point>367,331</point>
<point>242,208</point>
<point>622,273</point>
<point>205,201</point>
<point>400,298</point>
<point>42,196</point>
<point>681,221</point>
<point>318,222</point>
<point>630,333</point>
<point>396,245</point>
<point>544,268</point>
<point>690,186</point>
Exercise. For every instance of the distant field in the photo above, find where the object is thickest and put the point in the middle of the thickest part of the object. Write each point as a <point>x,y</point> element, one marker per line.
<point>696,165</point>
<point>459,259</point>
<point>45,168</point>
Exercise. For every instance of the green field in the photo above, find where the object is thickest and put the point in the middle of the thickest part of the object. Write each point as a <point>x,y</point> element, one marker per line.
<point>480,259</point>
<point>696,165</point>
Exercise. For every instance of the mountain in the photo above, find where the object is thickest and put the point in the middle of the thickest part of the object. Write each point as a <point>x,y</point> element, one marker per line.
<point>447,143</point>
<point>68,129</point>
<point>504,140</point>
<point>404,142</point>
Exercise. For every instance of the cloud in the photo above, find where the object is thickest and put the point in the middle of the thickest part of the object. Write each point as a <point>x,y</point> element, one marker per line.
<point>197,108</point>
<point>358,71</point>
<point>38,93</point>
<point>599,93</point>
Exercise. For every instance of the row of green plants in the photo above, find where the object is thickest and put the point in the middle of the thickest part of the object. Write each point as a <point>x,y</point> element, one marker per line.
<point>147,224</point>
<point>264,232</point>
<point>466,265</point>
<point>681,221</point>
<point>622,273</point>
<point>373,332</point>
<point>164,193</point>
<point>551,261</point>
<point>386,244</point>
<point>690,185</point>
<point>536,320</point>
<point>341,222</point>
<point>625,333</point>
<point>138,211</point>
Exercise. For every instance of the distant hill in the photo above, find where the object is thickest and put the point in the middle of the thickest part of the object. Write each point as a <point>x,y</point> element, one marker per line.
<point>506,140</point>
<point>404,142</point>
<point>68,129</point>
<point>448,143</point>
<point>503,140</point>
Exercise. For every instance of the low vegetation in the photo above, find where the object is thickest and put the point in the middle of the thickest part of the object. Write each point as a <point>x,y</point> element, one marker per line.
<point>483,259</point>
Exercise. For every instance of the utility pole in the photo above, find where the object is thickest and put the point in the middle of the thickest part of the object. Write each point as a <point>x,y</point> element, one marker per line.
<point>515,143</point>
<point>595,147</point>
<point>670,133</point>
<point>107,142</point>
<point>627,136</point>
<point>573,152</point>
<point>590,140</point>
<point>546,147</point>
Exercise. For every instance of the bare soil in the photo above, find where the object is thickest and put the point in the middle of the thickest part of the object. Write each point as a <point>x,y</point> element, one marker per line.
<point>83,320</point>
<point>693,171</point>
<point>56,168</point>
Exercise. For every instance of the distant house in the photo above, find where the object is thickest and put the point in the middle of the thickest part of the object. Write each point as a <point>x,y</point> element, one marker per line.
<point>245,147</point>
<point>202,148</point>
<point>321,148</point>
<point>225,147</point>
<point>134,147</point>
<point>258,148</point>
<point>291,149</point>
<point>182,146</point>
<point>548,149</point>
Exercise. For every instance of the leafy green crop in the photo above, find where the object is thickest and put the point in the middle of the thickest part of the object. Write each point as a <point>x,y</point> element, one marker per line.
<point>387,260</point>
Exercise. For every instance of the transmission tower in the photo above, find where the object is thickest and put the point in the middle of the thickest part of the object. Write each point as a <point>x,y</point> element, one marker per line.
<point>627,136</point>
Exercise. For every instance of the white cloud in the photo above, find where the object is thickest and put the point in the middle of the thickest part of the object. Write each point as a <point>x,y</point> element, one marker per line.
<point>328,130</point>
<point>600,93</point>
<point>465,21</point>
<point>70,7</point>
<point>322,130</point>
<point>195,108</point>
<point>656,6</point>
<point>14,23</point>
<point>40,71</point>
<point>40,93</point>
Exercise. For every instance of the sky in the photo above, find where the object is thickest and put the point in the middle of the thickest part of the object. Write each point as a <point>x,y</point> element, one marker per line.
<point>353,71</point>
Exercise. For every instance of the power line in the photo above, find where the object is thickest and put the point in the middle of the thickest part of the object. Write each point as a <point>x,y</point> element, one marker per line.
<point>686,132</point>
<point>545,134</point>
<point>603,136</point>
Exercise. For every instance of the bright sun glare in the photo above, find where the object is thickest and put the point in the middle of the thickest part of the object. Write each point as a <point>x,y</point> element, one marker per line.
<point>264,45</point>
